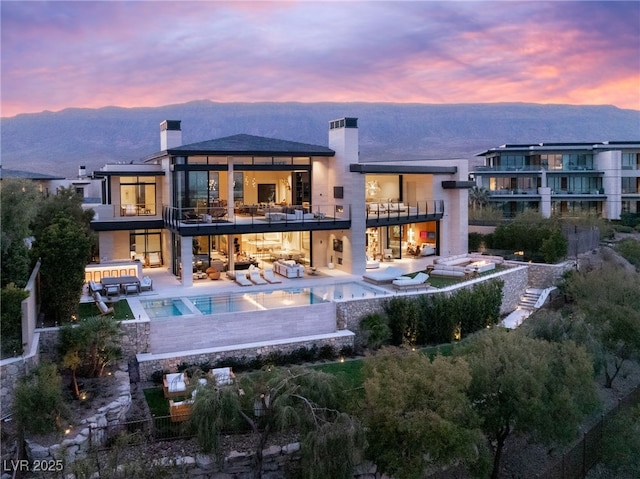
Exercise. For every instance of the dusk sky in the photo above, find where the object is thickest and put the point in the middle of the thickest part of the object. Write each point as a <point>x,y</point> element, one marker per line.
<point>59,54</point>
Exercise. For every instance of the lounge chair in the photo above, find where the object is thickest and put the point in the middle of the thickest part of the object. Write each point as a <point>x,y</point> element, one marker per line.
<point>270,276</point>
<point>388,254</point>
<point>407,282</point>
<point>386,275</point>
<point>154,259</point>
<point>104,309</point>
<point>175,385</point>
<point>146,283</point>
<point>240,277</point>
<point>255,278</point>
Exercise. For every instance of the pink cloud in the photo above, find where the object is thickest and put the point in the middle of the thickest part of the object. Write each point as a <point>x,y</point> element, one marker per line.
<point>92,54</point>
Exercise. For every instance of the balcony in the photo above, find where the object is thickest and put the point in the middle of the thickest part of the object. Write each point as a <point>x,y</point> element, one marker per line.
<point>125,216</point>
<point>402,213</point>
<point>254,219</point>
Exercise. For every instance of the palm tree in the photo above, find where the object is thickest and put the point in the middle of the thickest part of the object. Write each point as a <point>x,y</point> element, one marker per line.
<point>478,197</point>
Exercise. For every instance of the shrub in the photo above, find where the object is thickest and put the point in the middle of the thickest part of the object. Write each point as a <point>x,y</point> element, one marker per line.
<point>11,320</point>
<point>38,404</point>
<point>375,330</point>
<point>327,352</point>
<point>475,241</point>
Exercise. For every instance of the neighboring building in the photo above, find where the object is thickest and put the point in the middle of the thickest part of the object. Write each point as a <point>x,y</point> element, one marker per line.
<point>227,200</point>
<point>563,178</point>
<point>85,186</point>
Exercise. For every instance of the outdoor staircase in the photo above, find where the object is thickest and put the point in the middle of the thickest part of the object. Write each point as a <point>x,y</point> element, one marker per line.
<point>529,299</point>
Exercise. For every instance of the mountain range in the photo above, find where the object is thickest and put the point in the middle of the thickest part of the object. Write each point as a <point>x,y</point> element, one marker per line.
<point>58,142</point>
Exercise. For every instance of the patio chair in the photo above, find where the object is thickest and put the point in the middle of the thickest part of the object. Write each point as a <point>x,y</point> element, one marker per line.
<point>112,290</point>
<point>180,410</point>
<point>240,277</point>
<point>388,254</point>
<point>270,276</point>
<point>222,376</point>
<point>131,288</point>
<point>175,385</point>
<point>146,283</point>
<point>255,278</point>
<point>154,259</point>
<point>95,287</point>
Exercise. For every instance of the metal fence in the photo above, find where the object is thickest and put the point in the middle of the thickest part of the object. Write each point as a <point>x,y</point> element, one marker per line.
<point>157,428</point>
<point>585,454</point>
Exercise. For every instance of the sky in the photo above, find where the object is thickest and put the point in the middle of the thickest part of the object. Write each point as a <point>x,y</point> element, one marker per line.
<point>86,54</point>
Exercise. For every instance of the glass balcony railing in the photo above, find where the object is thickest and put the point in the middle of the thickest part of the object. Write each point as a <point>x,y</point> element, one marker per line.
<point>124,211</point>
<point>256,215</point>
<point>396,210</point>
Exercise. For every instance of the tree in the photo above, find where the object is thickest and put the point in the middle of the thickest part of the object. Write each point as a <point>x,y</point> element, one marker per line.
<point>18,206</point>
<point>64,248</point>
<point>478,197</point>
<point>11,320</point>
<point>621,443</point>
<point>531,386</point>
<point>609,299</point>
<point>417,412</point>
<point>279,399</point>
<point>88,347</point>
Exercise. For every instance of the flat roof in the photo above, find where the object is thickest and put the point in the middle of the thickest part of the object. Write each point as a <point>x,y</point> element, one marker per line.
<point>607,145</point>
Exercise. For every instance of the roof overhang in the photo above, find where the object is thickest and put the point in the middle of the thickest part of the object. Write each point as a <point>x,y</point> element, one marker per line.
<point>458,185</point>
<point>364,168</point>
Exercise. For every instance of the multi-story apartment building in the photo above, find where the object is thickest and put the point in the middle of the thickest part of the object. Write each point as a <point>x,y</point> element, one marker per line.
<point>563,178</point>
<point>233,200</point>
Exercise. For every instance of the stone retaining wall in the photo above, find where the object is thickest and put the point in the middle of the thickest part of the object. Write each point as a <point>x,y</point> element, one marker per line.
<point>13,369</point>
<point>350,313</point>
<point>276,461</point>
<point>543,276</point>
<point>149,363</point>
<point>91,431</point>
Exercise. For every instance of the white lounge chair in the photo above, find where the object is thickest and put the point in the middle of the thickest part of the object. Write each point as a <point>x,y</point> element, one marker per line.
<point>240,277</point>
<point>270,276</point>
<point>383,276</point>
<point>407,282</point>
<point>104,309</point>
<point>255,278</point>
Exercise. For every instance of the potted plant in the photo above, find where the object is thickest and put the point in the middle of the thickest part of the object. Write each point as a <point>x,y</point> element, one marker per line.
<point>330,265</point>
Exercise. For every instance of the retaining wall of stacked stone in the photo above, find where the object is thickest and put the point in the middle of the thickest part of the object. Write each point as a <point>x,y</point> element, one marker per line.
<point>91,431</point>
<point>276,461</point>
<point>148,364</point>
<point>12,369</point>
<point>543,276</point>
<point>350,313</point>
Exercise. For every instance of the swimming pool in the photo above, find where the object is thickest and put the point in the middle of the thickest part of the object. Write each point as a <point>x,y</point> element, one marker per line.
<point>258,300</point>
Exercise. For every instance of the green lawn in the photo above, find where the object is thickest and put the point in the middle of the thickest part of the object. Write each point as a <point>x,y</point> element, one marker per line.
<point>158,404</point>
<point>121,310</point>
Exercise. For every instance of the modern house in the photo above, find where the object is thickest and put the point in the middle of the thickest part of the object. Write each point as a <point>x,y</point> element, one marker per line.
<point>563,178</point>
<point>232,201</point>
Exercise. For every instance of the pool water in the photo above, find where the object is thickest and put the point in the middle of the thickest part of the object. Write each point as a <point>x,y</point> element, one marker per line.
<point>258,300</point>
<point>161,308</point>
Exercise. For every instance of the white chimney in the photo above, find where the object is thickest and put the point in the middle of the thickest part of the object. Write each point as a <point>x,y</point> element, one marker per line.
<point>82,171</point>
<point>170,134</point>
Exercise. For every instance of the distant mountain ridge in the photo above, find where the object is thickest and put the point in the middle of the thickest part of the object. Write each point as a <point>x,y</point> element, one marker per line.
<point>58,142</point>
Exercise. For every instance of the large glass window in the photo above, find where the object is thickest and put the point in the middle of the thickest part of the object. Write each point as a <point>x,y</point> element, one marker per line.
<point>630,185</point>
<point>630,161</point>
<point>144,242</point>
<point>137,196</point>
